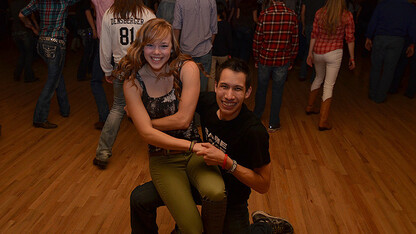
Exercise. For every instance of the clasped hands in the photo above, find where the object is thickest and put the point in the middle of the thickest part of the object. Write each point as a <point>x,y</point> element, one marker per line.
<point>211,154</point>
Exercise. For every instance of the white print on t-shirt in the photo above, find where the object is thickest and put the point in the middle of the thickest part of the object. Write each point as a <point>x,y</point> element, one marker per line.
<point>127,21</point>
<point>215,141</point>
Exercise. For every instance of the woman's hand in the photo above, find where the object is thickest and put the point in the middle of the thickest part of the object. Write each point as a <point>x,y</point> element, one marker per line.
<point>309,60</point>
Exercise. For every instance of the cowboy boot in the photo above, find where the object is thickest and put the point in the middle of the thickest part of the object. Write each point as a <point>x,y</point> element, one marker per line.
<point>310,108</point>
<point>323,122</point>
<point>213,215</point>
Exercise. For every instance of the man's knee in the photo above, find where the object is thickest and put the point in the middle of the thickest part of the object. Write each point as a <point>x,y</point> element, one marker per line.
<point>145,197</point>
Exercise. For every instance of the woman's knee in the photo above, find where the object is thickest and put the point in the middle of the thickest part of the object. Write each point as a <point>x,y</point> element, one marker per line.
<point>214,193</point>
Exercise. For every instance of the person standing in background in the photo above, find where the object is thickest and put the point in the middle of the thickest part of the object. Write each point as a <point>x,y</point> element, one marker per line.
<point>25,41</point>
<point>195,27</point>
<point>221,48</point>
<point>275,47</point>
<point>331,25</point>
<point>385,37</point>
<point>52,48</point>
<point>120,25</point>
<point>97,73</point>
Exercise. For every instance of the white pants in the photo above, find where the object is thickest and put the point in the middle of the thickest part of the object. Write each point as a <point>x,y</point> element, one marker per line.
<point>327,67</point>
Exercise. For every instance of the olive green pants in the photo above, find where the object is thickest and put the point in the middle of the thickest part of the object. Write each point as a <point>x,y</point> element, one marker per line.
<point>172,176</point>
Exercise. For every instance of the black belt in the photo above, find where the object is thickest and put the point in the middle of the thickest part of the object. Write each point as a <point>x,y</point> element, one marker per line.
<point>165,152</point>
<point>62,42</point>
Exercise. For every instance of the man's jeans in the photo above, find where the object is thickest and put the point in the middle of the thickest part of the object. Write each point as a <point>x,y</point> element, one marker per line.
<point>112,124</point>
<point>26,45</point>
<point>385,55</point>
<point>54,55</point>
<point>205,60</point>
<point>86,62</point>
<point>97,86</point>
<point>144,200</point>
<point>279,75</point>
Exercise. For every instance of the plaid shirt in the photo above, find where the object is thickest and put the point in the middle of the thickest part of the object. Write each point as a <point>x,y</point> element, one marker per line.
<point>326,43</point>
<point>276,38</point>
<point>52,16</point>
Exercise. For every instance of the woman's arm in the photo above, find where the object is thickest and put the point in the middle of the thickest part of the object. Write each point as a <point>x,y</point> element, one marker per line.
<point>143,124</point>
<point>189,98</point>
<point>309,60</point>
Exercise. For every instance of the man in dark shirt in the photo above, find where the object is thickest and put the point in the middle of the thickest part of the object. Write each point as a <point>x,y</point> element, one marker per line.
<point>391,23</point>
<point>51,47</point>
<point>238,144</point>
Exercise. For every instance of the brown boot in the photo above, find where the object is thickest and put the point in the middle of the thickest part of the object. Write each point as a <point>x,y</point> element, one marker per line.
<point>323,122</point>
<point>310,108</point>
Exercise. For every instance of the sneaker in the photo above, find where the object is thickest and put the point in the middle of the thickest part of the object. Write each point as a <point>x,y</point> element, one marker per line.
<point>273,128</point>
<point>100,163</point>
<point>279,225</point>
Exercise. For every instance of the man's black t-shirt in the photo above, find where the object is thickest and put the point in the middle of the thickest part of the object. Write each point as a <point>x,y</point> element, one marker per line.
<point>243,139</point>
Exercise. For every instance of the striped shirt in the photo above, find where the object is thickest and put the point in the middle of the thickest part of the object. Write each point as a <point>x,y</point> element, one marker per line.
<point>276,39</point>
<point>52,16</point>
<point>326,43</point>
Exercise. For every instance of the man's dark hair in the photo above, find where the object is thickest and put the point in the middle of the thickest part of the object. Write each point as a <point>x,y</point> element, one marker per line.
<point>235,65</point>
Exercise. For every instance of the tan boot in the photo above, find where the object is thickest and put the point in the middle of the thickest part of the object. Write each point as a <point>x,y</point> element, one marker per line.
<point>310,108</point>
<point>323,122</point>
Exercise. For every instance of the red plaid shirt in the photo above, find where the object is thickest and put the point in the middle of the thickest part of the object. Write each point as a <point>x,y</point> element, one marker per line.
<point>326,43</point>
<point>276,39</point>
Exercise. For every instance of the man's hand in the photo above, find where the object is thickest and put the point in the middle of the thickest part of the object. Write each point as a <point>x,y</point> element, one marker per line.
<point>410,51</point>
<point>368,44</point>
<point>256,65</point>
<point>109,79</point>
<point>212,155</point>
<point>94,33</point>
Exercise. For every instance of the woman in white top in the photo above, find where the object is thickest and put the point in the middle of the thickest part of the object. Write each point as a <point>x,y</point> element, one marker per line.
<point>119,26</point>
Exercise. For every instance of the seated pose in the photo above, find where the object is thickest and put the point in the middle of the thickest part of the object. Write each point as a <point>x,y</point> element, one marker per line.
<point>238,143</point>
<point>163,82</point>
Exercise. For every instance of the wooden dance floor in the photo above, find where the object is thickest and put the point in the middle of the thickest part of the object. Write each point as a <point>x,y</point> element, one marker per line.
<point>360,177</point>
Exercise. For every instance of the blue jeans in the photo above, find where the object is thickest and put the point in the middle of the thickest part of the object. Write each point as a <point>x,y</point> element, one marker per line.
<point>304,66</point>
<point>112,124</point>
<point>26,45</point>
<point>54,55</point>
<point>144,200</point>
<point>385,55</point>
<point>205,60</point>
<point>279,75</point>
<point>97,86</point>
<point>86,61</point>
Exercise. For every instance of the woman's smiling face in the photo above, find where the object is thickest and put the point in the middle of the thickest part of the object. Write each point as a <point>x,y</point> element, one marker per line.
<point>157,53</point>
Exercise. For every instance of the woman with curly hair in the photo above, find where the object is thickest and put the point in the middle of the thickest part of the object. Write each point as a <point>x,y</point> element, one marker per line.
<point>161,90</point>
<point>331,25</point>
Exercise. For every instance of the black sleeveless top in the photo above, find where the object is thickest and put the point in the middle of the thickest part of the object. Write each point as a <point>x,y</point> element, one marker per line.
<point>163,106</point>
